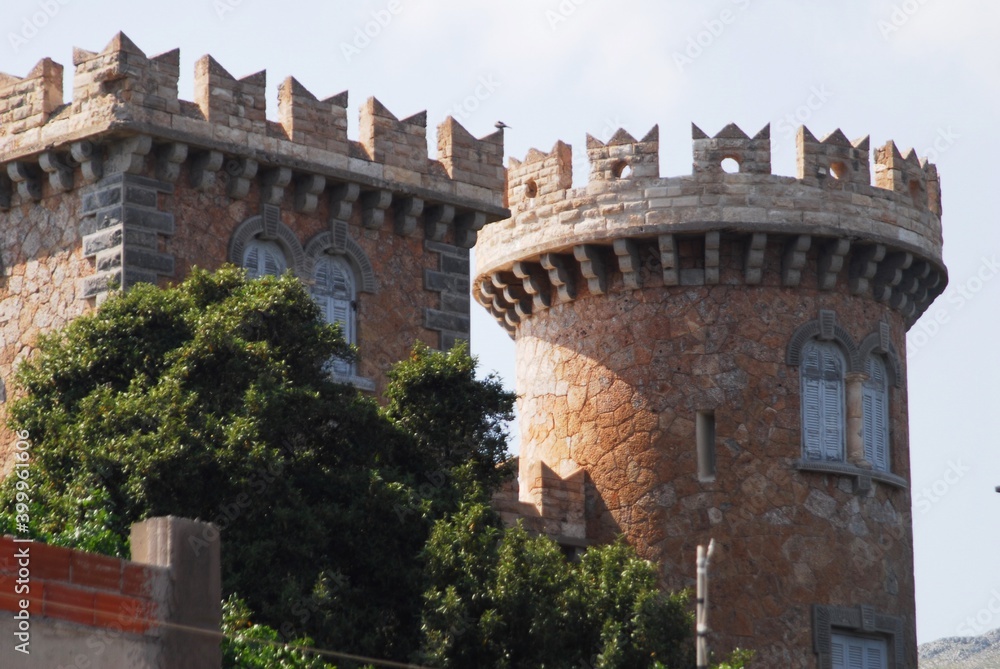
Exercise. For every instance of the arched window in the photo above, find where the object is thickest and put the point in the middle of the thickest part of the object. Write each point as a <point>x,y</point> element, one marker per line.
<point>261,258</point>
<point>334,292</point>
<point>875,414</point>
<point>822,386</point>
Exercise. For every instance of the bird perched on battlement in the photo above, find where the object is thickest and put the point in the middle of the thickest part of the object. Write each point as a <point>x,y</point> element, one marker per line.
<point>500,125</point>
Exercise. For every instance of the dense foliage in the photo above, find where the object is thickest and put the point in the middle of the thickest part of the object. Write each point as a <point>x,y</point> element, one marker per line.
<point>367,529</point>
<point>503,599</point>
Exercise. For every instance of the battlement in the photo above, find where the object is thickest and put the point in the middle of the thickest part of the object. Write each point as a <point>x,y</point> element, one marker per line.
<point>561,241</point>
<point>121,91</point>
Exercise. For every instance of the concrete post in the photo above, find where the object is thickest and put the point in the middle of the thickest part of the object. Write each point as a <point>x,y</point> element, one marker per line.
<point>193,608</point>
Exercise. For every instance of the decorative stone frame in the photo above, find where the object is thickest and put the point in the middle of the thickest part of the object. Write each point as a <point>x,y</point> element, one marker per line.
<point>337,242</point>
<point>826,328</point>
<point>268,226</point>
<point>862,620</point>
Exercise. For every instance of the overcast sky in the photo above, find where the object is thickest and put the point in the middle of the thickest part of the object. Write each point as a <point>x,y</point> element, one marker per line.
<point>924,73</point>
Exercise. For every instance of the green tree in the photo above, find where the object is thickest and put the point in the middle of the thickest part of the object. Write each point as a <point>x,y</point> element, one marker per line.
<point>504,599</point>
<point>210,400</point>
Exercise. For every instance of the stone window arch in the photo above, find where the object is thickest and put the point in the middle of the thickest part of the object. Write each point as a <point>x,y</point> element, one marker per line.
<point>845,400</point>
<point>265,231</point>
<point>340,274</point>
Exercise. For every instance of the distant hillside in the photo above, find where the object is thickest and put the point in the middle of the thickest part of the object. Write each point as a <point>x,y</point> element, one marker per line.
<point>971,652</point>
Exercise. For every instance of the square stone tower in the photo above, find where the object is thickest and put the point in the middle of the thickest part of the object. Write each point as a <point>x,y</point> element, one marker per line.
<point>128,183</point>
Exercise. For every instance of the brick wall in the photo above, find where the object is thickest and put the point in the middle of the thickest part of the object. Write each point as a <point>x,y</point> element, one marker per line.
<point>161,610</point>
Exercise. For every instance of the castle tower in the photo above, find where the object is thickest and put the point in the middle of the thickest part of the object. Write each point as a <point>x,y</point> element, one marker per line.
<point>128,183</point>
<point>722,355</point>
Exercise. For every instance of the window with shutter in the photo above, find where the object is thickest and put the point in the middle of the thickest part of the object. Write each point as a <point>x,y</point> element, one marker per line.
<point>822,396</point>
<point>849,652</point>
<point>875,413</point>
<point>333,290</point>
<point>262,258</point>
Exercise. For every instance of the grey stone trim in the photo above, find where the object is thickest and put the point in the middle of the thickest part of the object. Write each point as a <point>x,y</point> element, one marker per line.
<point>877,343</point>
<point>359,382</point>
<point>327,242</point>
<point>268,226</point>
<point>864,619</point>
<point>832,331</point>
<point>862,477</point>
<point>451,319</point>
<point>121,227</point>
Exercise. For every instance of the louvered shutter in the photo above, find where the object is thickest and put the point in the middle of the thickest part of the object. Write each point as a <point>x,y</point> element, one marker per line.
<point>838,653</point>
<point>250,261</point>
<point>849,652</point>
<point>875,412</point>
<point>272,265</point>
<point>822,386</point>
<point>855,654</point>
<point>812,393</point>
<point>334,291</point>
<point>833,404</point>
<point>875,656</point>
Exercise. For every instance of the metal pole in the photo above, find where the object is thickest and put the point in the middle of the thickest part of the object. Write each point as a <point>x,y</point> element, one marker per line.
<point>701,610</point>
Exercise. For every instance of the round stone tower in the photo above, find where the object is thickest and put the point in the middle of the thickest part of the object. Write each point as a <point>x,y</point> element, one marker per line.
<point>722,355</point>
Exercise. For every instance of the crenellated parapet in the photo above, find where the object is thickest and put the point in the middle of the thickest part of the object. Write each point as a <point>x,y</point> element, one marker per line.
<point>629,227</point>
<point>126,117</point>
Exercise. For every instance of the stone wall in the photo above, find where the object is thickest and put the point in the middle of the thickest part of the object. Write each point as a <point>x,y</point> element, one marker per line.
<point>129,183</point>
<point>637,302</point>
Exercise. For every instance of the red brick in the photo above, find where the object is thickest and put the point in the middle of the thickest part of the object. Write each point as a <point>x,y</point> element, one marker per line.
<point>50,562</point>
<point>68,603</point>
<point>97,571</point>
<point>129,614</point>
<point>138,579</point>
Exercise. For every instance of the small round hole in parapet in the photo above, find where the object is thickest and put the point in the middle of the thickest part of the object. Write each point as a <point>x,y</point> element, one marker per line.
<point>730,165</point>
<point>622,170</point>
<point>531,189</point>
<point>838,170</point>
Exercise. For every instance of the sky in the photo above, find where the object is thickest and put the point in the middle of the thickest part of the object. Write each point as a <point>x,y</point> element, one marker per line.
<point>921,72</point>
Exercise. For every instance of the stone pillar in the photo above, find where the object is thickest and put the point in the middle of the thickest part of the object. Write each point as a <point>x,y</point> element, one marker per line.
<point>192,609</point>
<point>855,441</point>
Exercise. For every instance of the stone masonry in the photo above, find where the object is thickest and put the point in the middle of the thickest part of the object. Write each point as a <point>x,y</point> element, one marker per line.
<point>638,301</point>
<point>129,183</point>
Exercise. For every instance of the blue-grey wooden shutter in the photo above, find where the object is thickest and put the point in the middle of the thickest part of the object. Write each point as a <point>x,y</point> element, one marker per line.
<point>833,404</point>
<point>335,293</point>
<point>822,388</point>
<point>812,402</point>
<point>838,653</point>
<point>272,265</point>
<point>250,261</point>
<point>875,413</point>
<point>875,654</point>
